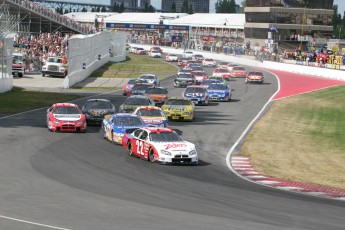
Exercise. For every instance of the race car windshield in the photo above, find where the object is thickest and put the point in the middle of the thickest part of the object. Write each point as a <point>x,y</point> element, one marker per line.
<point>150,113</point>
<point>223,63</point>
<point>185,76</point>
<point>133,81</point>
<point>66,110</point>
<point>208,59</point>
<point>165,137</point>
<point>195,90</point>
<point>128,121</point>
<point>239,68</point>
<point>137,101</point>
<point>185,71</point>
<point>217,87</point>
<point>198,68</point>
<point>148,77</point>
<point>177,102</point>
<point>209,82</point>
<point>156,91</point>
<point>173,55</point>
<point>98,105</point>
<point>198,74</point>
<point>255,73</point>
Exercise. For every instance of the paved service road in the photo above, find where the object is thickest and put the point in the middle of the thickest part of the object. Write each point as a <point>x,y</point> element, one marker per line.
<point>80,181</point>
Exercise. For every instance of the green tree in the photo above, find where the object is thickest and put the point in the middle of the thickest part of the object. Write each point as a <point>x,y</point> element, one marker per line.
<point>152,9</point>
<point>190,9</point>
<point>96,23</point>
<point>93,9</point>
<point>225,6</point>
<point>84,9</point>
<point>116,7</point>
<point>98,9</point>
<point>121,8</point>
<point>146,7</point>
<point>66,11</point>
<point>173,8</point>
<point>103,9</point>
<point>185,6</point>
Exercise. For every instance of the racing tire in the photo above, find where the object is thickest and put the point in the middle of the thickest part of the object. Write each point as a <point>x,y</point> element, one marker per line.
<point>112,137</point>
<point>151,156</point>
<point>20,75</point>
<point>43,75</point>
<point>129,148</point>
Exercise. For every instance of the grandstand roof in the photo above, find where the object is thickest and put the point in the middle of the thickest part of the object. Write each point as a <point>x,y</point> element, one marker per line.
<point>144,18</point>
<point>234,21</point>
<point>88,16</point>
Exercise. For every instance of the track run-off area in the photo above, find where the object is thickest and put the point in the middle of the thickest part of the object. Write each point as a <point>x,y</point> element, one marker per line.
<point>80,181</point>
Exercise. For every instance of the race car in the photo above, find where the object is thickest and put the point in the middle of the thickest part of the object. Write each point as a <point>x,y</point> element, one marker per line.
<point>158,94</point>
<point>207,82</point>
<point>162,145</point>
<point>133,102</point>
<point>179,109</point>
<point>171,58</point>
<point>183,80</point>
<point>231,66</point>
<point>152,116</point>
<point>197,68</point>
<point>96,109</point>
<point>199,76</point>
<point>139,89</point>
<point>182,62</point>
<point>150,78</point>
<point>116,125</point>
<point>218,78</point>
<point>66,117</point>
<point>156,48</point>
<point>198,57</point>
<point>209,62</point>
<point>238,71</point>
<point>255,76</point>
<point>219,92</point>
<point>128,87</point>
<point>197,94</point>
<point>132,49</point>
<point>140,51</point>
<point>155,54</point>
<point>223,65</point>
<point>224,73</point>
<point>188,54</point>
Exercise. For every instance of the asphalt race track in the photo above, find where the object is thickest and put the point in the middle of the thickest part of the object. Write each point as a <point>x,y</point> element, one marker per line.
<point>82,182</point>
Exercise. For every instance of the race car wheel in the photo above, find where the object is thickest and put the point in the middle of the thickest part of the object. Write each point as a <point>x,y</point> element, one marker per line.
<point>129,148</point>
<point>112,137</point>
<point>151,156</point>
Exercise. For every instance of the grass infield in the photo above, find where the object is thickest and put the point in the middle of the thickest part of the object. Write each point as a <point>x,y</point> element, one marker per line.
<point>302,139</point>
<point>134,66</point>
<point>20,100</point>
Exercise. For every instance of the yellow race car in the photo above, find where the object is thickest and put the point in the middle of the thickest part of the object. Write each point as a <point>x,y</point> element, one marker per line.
<point>179,109</point>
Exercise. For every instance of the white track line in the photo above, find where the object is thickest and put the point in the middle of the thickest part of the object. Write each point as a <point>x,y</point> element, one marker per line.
<point>33,223</point>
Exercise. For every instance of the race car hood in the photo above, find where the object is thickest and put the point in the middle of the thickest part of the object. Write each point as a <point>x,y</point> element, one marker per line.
<point>194,95</point>
<point>175,148</point>
<point>67,117</point>
<point>217,91</point>
<point>255,77</point>
<point>176,108</point>
<point>98,112</point>
<point>153,120</point>
<point>157,97</point>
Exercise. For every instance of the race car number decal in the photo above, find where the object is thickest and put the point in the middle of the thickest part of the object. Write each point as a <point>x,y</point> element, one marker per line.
<point>174,107</point>
<point>140,147</point>
<point>194,94</point>
<point>169,146</point>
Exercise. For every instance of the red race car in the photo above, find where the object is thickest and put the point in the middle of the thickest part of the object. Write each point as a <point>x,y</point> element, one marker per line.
<point>199,76</point>
<point>255,76</point>
<point>66,117</point>
<point>238,71</point>
<point>224,73</point>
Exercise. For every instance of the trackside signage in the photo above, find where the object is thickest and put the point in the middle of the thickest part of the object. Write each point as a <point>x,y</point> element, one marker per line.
<point>110,25</point>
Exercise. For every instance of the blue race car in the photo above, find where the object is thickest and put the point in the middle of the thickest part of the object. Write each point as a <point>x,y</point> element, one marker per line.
<point>219,92</point>
<point>197,94</point>
<point>116,125</point>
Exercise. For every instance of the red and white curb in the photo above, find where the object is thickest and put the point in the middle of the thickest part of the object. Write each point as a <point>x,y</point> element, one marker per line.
<point>244,168</point>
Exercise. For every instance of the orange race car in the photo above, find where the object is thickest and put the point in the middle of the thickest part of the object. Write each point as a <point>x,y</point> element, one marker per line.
<point>158,94</point>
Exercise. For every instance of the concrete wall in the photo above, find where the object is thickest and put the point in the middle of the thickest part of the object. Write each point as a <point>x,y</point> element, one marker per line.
<point>6,78</point>
<point>300,69</point>
<point>88,53</point>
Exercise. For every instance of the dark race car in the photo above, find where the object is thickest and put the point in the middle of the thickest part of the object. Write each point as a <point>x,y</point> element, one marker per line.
<point>133,102</point>
<point>184,80</point>
<point>96,109</point>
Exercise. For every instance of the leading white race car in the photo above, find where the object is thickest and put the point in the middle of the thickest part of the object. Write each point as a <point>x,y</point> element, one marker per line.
<point>161,145</point>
